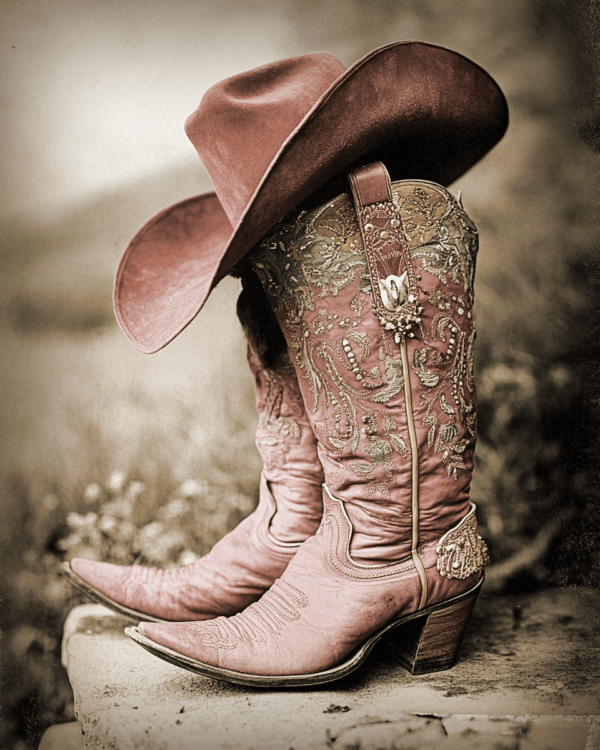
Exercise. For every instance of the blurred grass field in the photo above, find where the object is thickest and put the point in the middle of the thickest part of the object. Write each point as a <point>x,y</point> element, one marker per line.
<point>114,454</point>
<point>97,438</point>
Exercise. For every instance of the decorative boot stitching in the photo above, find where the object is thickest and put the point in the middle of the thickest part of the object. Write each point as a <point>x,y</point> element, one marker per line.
<point>326,246</point>
<point>323,249</point>
<point>279,400</point>
<point>461,551</point>
<point>281,604</point>
<point>338,527</point>
<point>276,433</point>
<point>316,255</point>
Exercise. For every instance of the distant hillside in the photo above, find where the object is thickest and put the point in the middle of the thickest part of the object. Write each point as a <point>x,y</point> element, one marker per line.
<point>57,267</point>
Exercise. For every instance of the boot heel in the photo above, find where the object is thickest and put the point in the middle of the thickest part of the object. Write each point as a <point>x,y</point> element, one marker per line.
<point>430,643</point>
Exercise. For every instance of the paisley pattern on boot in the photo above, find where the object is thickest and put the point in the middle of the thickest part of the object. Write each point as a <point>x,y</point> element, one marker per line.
<point>314,269</point>
<point>376,306</point>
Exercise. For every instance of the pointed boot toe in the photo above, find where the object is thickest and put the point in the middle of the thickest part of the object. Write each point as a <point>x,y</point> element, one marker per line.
<point>105,578</point>
<point>88,570</point>
<point>115,586</point>
<point>180,643</point>
<point>244,563</point>
<point>163,634</point>
<point>321,619</point>
<point>235,573</point>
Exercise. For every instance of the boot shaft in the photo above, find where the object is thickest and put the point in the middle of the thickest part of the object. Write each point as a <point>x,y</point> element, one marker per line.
<point>292,471</point>
<point>391,396</point>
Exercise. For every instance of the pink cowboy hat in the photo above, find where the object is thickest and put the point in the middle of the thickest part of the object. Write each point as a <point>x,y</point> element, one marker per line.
<point>270,137</point>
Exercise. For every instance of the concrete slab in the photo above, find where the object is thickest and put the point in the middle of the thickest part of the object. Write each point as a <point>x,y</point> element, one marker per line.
<point>528,679</point>
<point>66,736</point>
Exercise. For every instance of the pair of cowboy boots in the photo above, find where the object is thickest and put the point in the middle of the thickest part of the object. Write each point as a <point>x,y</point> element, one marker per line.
<point>246,562</point>
<point>373,291</point>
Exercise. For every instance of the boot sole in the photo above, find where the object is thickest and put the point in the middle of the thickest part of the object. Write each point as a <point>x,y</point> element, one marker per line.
<point>422,642</point>
<point>101,598</point>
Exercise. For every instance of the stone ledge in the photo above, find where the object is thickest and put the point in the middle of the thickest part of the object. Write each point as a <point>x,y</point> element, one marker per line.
<point>528,679</point>
<point>66,736</point>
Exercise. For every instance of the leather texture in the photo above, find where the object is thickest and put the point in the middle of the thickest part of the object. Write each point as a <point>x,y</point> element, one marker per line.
<point>244,564</point>
<point>321,609</point>
<point>350,368</point>
<point>270,137</point>
<point>371,184</point>
<point>392,404</point>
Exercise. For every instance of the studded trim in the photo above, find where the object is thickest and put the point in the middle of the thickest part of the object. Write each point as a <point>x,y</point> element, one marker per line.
<point>388,261</point>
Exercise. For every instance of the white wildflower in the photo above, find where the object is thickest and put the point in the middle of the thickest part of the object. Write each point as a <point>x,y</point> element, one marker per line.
<point>116,481</point>
<point>120,508</point>
<point>92,492</point>
<point>174,509</point>
<point>77,521</point>
<point>134,490</point>
<point>107,524</point>
<point>192,487</point>
<point>187,557</point>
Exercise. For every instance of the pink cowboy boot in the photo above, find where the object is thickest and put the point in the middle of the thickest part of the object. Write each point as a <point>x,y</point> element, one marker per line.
<point>375,299</point>
<point>245,563</point>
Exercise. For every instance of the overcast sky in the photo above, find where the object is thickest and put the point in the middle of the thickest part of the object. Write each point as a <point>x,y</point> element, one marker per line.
<point>94,92</point>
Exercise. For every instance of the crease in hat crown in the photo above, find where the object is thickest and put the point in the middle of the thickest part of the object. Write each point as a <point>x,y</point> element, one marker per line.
<point>258,110</point>
<point>271,136</point>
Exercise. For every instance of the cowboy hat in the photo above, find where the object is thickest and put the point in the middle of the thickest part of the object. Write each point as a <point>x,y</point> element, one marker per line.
<point>270,137</point>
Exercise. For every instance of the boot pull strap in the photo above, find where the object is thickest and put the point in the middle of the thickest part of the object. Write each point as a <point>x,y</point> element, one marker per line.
<point>393,277</point>
<point>395,298</point>
<point>371,184</point>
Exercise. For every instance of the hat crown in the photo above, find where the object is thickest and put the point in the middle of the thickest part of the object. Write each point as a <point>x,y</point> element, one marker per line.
<point>242,122</point>
<point>274,135</point>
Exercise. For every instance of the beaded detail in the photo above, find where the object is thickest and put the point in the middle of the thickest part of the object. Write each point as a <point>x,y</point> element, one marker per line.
<point>313,266</point>
<point>461,551</point>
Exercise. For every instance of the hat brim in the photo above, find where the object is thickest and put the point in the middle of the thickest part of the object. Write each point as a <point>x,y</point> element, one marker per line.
<point>424,111</point>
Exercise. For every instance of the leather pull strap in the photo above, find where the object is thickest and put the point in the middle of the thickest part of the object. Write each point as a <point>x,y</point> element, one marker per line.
<point>371,184</point>
<point>393,277</point>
